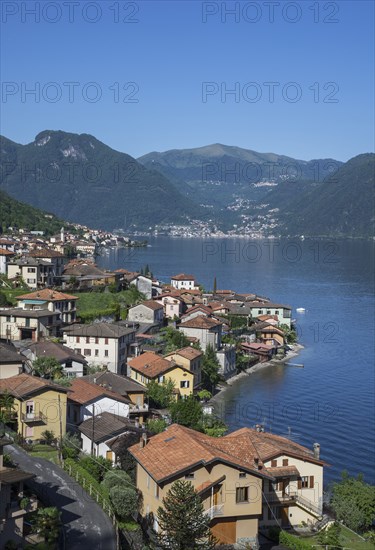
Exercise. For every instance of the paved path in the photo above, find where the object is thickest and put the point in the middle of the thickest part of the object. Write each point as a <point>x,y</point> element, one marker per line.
<point>86,525</point>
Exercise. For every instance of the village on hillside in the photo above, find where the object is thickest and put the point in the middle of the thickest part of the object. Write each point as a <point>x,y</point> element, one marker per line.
<point>114,372</point>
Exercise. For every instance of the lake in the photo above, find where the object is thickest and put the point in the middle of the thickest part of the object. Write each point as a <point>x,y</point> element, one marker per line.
<point>330,400</point>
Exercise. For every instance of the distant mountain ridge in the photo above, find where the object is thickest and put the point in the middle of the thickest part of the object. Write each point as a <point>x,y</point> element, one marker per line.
<point>236,190</point>
<point>81,179</point>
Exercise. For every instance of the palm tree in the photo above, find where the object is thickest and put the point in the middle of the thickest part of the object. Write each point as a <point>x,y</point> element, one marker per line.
<point>47,523</point>
<point>7,408</point>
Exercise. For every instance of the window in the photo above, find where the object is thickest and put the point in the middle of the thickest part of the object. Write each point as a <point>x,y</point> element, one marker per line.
<point>273,463</point>
<point>260,311</point>
<point>31,270</point>
<point>106,353</point>
<point>242,494</point>
<point>106,341</point>
<point>277,312</point>
<point>8,319</point>
<point>268,312</point>
<point>161,379</point>
<point>78,350</point>
<point>30,281</point>
<point>304,482</point>
<point>184,384</point>
<point>87,339</point>
<point>156,490</point>
<point>285,462</point>
<point>78,339</point>
<point>96,353</point>
<point>87,352</point>
<point>241,475</point>
<point>190,475</point>
<point>96,340</point>
<point>148,481</point>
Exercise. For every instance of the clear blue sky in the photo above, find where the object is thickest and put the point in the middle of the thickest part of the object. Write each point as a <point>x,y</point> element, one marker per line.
<point>168,52</point>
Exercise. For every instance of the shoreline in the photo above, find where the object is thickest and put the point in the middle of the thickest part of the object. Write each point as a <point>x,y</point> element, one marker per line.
<point>259,366</point>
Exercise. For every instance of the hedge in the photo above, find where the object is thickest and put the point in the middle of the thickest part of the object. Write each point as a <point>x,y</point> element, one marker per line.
<point>89,480</point>
<point>292,542</point>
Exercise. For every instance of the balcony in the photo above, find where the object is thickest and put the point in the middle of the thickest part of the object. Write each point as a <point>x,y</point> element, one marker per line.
<point>30,418</point>
<point>214,511</point>
<point>138,408</point>
<point>280,497</point>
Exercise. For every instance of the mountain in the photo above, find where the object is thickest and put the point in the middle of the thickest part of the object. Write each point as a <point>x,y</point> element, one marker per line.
<point>17,214</point>
<point>81,179</point>
<point>341,206</point>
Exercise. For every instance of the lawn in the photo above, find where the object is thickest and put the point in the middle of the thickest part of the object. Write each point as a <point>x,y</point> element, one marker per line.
<point>95,304</point>
<point>45,451</point>
<point>348,540</point>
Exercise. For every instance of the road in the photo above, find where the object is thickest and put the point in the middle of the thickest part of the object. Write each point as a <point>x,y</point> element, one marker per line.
<point>86,526</point>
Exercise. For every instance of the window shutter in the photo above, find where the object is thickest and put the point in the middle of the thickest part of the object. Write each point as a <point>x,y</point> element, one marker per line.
<point>311,482</point>
<point>300,483</point>
<point>273,463</point>
<point>285,462</point>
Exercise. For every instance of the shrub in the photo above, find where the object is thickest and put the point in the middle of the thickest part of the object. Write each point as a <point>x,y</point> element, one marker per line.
<point>124,500</point>
<point>116,478</point>
<point>292,542</point>
<point>96,466</point>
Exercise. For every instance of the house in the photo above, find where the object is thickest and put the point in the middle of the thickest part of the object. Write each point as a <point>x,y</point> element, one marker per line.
<point>151,366</point>
<point>102,344</point>
<point>141,282</point>
<point>21,324</point>
<point>5,256</point>
<point>11,492</point>
<point>194,311</point>
<point>86,400</point>
<point>34,272</point>
<point>54,258</point>
<point>53,300</point>
<point>264,352</point>
<point>173,305</point>
<point>39,403</point>
<point>271,335</point>
<point>183,281</point>
<point>147,312</point>
<point>98,434</point>
<point>190,358</point>
<point>284,313</point>
<point>226,357</point>
<point>11,362</point>
<point>73,363</point>
<point>205,329</point>
<point>243,478</point>
<point>86,275</point>
<point>126,387</point>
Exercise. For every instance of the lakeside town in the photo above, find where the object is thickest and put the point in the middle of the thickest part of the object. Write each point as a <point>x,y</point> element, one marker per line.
<point>110,376</point>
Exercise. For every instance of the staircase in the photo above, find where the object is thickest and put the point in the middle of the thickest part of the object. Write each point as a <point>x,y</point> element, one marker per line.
<point>309,506</point>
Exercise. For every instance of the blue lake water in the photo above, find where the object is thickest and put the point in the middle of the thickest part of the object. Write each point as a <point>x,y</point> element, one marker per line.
<point>331,400</point>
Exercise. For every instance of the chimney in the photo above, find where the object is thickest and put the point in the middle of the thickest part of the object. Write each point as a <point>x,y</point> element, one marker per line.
<point>136,422</point>
<point>95,379</point>
<point>316,448</point>
<point>256,463</point>
<point>143,441</point>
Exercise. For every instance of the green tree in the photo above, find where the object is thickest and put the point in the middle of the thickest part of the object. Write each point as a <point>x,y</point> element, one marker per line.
<point>48,436</point>
<point>124,500</point>
<point>6,407</point>
<point>117,478</point>
<point>160,395</point>
<point>187,412</point>
<point>47,367</point>
<point>71,445</point>
<point>174,339</point>
<point>353,502</point>
<point>96,466</point>
<point>182,522</point>
<point>331,537</point>
<point>156,425</point>
<point>210,369</point>
<point>213,426</point>
<point>47,523</point>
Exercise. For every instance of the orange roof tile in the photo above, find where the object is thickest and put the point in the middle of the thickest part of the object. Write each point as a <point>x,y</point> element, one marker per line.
<point>82,391</point>
<point>201,321</point>
<point>151,364</point>
<point>24,384</point>
<point>47,294</point>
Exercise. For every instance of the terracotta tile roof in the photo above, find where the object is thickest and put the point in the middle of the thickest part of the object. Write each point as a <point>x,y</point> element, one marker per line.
<point>5,252</point>
<point>264,317</point>
<point>179,449</point>
<point>283,471</point>
<point>198,307</point>
<point>82,391</point>
<point>183,277</point>
<point>208,484</point>
<point>201,321</point>
<point>188,353</point>
<point>25,384</point>
<point>270,445</point>
<point>47,294</point>
<point>150,364</point>
<point>151,304</point>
